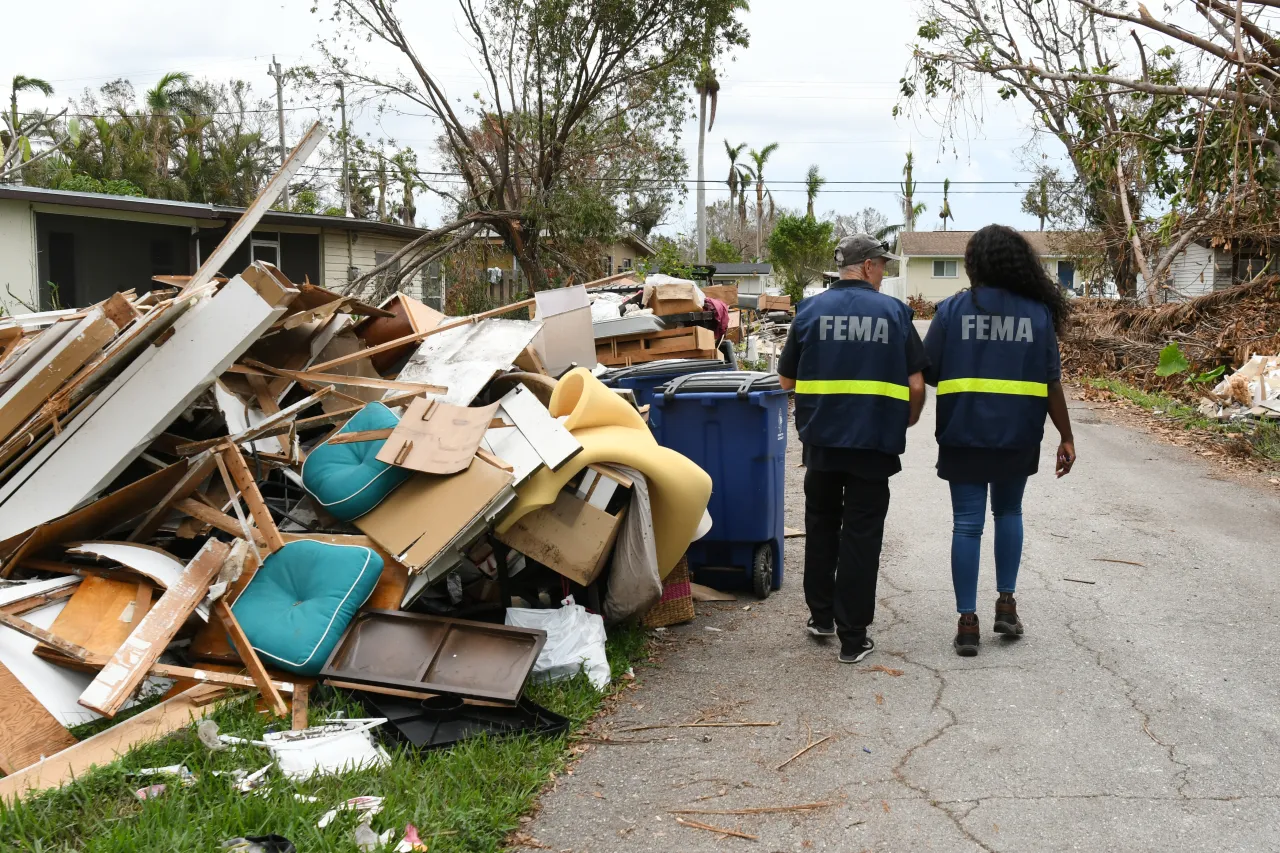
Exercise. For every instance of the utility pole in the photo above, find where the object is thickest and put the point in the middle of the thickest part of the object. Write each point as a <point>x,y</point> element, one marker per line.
<point>274,70</point>
<point>346,177</point>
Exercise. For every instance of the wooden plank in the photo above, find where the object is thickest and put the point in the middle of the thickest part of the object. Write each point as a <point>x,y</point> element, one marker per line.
<point>361,435</point>
<point>196,472</point>
<point>244,226</point>
<point>22,626</point>
<point>28,732</point>
<point>40,599</point>
<point>548,436</point>
<point>419,337</point>
<point>251,661</point>
<point>299,707</point>
<point>213,518</point>
<point>209,675</point>
<point>277,424</point>
<point>142,601</point>
<point>128,666</point>
<point>253,368</point>
<point>108,745</point>
<point>249,491</point>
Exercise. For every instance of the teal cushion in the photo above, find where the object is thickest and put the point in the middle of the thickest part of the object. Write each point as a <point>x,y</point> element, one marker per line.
<point>347,479</point>
<point>300,602</point>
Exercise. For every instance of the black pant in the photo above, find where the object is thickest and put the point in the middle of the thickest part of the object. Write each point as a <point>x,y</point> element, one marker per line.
<point>844,528</point>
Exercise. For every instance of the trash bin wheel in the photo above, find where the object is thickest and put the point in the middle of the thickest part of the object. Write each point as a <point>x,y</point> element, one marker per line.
<point>762,571</point>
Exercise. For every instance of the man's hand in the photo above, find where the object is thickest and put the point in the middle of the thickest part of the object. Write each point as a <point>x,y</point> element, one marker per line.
<point>787,383</point>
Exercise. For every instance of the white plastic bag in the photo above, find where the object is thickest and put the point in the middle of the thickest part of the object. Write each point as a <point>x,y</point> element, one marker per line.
<point>575,642</point>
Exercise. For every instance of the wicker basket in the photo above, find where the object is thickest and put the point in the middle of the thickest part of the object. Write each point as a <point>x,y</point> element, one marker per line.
<point>676,605</point>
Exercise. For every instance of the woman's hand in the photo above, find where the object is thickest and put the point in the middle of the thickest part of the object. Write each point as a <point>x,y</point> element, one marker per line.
<point>1066,457</point>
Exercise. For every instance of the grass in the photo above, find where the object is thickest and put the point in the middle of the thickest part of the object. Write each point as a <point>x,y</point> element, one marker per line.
<point>1262,438</point>
<point>467,798</point>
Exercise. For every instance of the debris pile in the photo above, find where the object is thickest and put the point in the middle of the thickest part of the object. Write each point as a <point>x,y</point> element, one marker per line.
<point>243,483</point>
<point>1223,329</point>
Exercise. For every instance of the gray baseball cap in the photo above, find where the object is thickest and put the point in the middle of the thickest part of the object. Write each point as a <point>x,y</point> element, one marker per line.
<point>857,248</point>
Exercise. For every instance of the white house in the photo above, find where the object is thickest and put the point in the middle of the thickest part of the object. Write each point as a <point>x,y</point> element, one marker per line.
<point>751,279</point>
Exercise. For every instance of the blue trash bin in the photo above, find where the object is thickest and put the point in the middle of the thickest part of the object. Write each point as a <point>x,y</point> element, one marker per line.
<point>643,379</point>
<point>733,424</point>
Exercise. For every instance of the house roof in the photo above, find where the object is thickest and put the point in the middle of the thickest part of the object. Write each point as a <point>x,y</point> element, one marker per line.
<point>951,244</point>
<point>744,269</point>
<point>198,210</point>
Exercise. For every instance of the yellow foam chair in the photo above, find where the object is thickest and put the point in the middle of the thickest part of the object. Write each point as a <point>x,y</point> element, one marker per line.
<point>611,431</point>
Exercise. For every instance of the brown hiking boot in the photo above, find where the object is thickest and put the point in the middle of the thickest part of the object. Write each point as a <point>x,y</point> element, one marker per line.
<point>967,635</point>
<point>1007,616</point>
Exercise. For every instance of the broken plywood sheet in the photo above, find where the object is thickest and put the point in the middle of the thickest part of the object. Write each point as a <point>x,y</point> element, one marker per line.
<point>28,732</point>
<point>160,566</point>
<point>99,617</point>
<point>56,688</point>
<point>466,358</point>
<point>137,406</point>
<point>345,343</point>
<point>437,438</point>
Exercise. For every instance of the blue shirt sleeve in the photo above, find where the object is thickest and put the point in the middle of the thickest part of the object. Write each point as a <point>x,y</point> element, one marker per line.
<point>934,343</point>
<point>1053,356</point>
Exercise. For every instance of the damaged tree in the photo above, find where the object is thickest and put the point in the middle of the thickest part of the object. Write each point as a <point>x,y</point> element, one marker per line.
<point>574,92</point>
<point>1147,111</point>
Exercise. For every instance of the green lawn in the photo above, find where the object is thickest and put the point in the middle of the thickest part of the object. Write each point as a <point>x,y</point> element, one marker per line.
<point>1262,438</point>
<point>464,799</point>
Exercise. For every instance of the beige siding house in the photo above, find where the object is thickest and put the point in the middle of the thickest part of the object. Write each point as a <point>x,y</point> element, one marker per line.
<point>68,249</point>
<point>933,261</point>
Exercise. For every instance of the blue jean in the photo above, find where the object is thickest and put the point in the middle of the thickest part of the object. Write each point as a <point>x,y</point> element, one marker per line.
<point>969,507</point>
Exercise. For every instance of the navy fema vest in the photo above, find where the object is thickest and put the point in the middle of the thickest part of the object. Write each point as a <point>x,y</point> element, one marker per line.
<point>851,385</point>
<point>992,369</point>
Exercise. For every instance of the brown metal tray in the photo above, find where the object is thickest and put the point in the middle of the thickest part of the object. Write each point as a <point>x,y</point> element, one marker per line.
<point>436,654</point>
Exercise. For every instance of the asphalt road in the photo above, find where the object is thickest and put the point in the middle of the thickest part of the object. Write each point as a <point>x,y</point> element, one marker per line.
<point>1140,712</point>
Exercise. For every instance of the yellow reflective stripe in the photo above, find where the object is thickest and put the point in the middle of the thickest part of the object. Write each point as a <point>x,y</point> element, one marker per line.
<point>994,386</point>
<point>853,386</point>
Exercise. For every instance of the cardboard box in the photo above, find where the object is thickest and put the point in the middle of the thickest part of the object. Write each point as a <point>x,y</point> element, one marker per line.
<point>726,293</point>
<point>671,299</point>
<point>566,337</point>
<point>570,536</point>
<point>734,331</point>
<point>690,342</point>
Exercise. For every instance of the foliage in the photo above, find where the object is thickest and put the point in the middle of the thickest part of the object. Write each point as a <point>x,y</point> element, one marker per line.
<point>813,183</point>
<point>722,252</point>
<point>464,799</point>
<point>759,158</point>
<point>82,183</point>
<point>582,109</point>
<point>1171,131</point>
<point>924,308</point>
<point>802,247</point>
<point>1172,361</point>
<point>669,259</point>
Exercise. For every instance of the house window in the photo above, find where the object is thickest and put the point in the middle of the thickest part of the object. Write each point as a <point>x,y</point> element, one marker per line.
<point>607,261</point>
<point>265,246</point>
<point>380,258</point>
<point>945,269</point>
<point>626,265</point>
<point>1067,274</point>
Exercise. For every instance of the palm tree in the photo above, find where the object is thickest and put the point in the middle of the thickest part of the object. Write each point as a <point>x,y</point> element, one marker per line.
<point>735,176</point>
<point>22,83</point>
<point>945,213</point>
<point>169,94</point>
<point>812,184</point>
<point>15,147</point>
<point>747,179</point>
<point>760,158</point>
<point>910,210</point>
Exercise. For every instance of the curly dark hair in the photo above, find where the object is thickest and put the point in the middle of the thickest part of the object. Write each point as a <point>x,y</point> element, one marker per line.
<point>998,256</point>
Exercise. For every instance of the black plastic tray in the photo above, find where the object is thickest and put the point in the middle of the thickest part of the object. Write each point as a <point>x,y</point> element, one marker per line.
<point>419,724</point>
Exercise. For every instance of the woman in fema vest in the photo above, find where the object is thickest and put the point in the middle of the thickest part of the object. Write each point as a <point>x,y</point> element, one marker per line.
<point>995,362</point>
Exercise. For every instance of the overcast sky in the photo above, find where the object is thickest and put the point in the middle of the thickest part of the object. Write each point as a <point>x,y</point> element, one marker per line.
<point>820,78</point>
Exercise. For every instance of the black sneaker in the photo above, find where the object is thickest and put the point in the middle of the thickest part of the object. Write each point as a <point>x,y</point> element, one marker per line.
<point>856,652</point>
<point>967,636</point>
<point>821,629</point>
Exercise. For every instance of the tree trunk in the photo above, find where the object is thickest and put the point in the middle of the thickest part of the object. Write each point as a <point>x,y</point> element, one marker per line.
<point>1153,287</point>
<point>702,187</point>
<point>759,216</point>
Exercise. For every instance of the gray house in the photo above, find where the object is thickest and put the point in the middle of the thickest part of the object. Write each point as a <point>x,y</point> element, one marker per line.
<point>71,249</point>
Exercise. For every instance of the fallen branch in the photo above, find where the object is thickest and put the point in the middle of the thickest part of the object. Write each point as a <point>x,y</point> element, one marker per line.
<point>800,807</point>
<point>882,668</point>
<point>803,751</point>
<point>706,827</point>
<point>1121,562</point>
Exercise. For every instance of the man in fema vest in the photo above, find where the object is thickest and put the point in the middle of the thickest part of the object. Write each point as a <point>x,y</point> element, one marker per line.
<point>856,364</point>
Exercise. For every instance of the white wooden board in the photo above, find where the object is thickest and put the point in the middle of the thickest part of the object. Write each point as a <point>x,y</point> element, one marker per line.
<point>55,687</point>
<point>548,436</point>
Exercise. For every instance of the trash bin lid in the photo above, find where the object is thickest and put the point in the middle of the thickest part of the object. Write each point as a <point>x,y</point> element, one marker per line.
<point>666,367</point>
<point>740,382</point>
